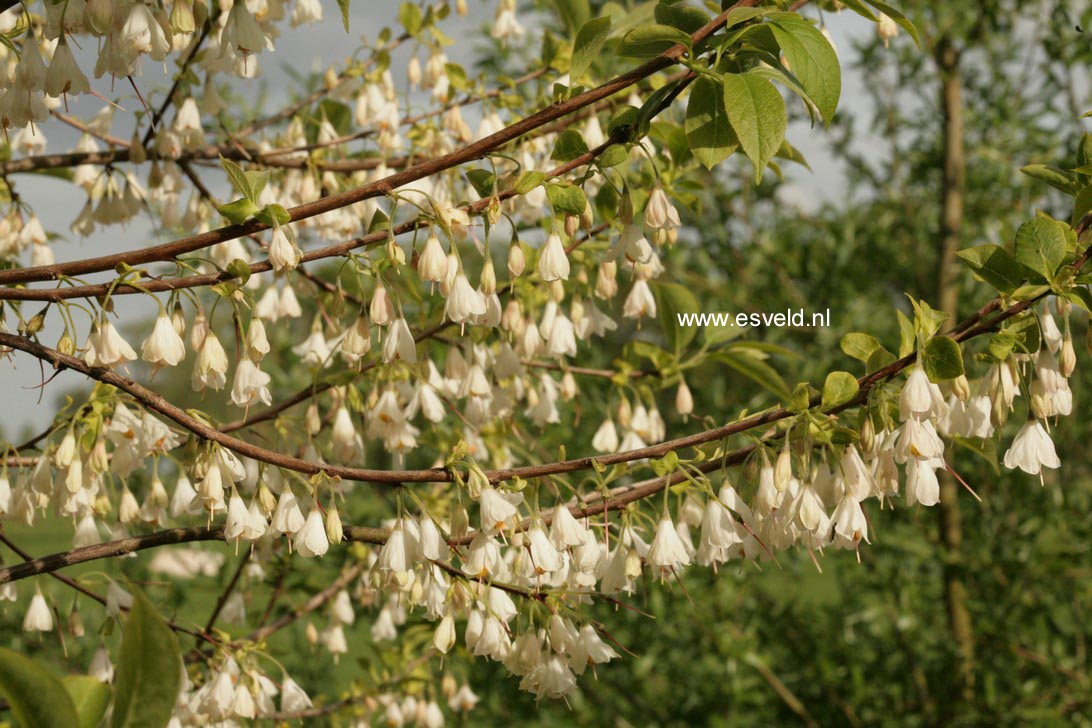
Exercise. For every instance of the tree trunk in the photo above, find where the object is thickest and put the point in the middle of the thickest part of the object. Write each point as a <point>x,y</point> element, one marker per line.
<point>951,224</point>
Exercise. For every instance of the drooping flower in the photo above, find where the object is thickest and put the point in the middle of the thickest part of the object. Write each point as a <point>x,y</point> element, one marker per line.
<point>553,262</point>
<point>1032,449</point>
<point>667,553</point>
<point>164,347</point>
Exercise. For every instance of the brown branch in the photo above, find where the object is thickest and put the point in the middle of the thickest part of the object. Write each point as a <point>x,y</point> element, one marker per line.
<point>73,584</point>
<point>169,537</point>
<point>157,285</point>
<point>159,404</point>
<point>474,151</point>
<point>311,605</point>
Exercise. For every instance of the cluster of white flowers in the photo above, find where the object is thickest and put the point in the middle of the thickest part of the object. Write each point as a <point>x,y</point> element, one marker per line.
<point>490,562</point>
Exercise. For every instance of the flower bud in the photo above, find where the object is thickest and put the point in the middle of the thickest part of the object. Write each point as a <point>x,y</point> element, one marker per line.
<point>886,29</point>
<point>413,71</point>
<point>684,400</point>
<point>488,280</point>
<point>571,225</point>
<point>961,388</point>
<point>334,531</point>
<point>394,252</point>
<point>97,15</point>
<point>517,262</point>
<point>66,345</point>
<point>182,20</point>
<point>868,436</point>
<point>1067,357</point>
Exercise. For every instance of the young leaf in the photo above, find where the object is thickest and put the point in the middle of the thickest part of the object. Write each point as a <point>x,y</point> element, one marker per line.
<point>236,176</point>
<point>757,113</point>
<point>812,59</point>
<point>906,334</point>
<point>860,346</point>
<point>35,697</point>
<point>148,669</point>
<point>649,41</point>
<point>800,399</point>
<point>482,180</point>
<point>588,43</point>
<point>566,199</point>
<point>528,181</point>
<point>1040,245</point>
<point>570,144</point>
<point>409,15</point>
<point>839,388</point>
<point>708,131</point>
<point>942,359</point>
<point>238,211</point>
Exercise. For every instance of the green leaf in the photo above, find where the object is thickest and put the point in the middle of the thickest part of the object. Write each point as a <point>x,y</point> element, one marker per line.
<point>528,181</point>
<point>589,41</point>
<point>878,360</point>
<point>985,448</point>
<point>1040,245</point>
<point>757,370</point>
<point>860,346</point>
<point>240,269</point>
<point>236,176</point>
<point>839,388</point>
<point>483,181</point>
<point>409,15</point>
<point>570,144</point>
<point>567,199</point>
<point>927,319</point>
<point>672,299</point>
<point>708,131</point>
<point>1001,345</point>
<point>344,6</point>
<point>239,211</point>
<point>651,40</point>
<point>800,399</point>
<point>684,17</point>
<point>994,265</point>
<point>1081,205</point>
<point>572,12</point>
<point>274,214</point>
<point>90,697</point>
<point>651,107</point>
<point>1080,296</point>
<point>612,156</point>
<point>250,184</point>
<point>148,669</point>
<point>813,61</point>
<point>736,16</point>
<point>36,698</point>
<point>1056,178</point>
<point>895,14</point>
<point>906,334</point>
<point>757,114</point>
<point>861,9</point>
<point>942,359</point>
<point>1025,329</point>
